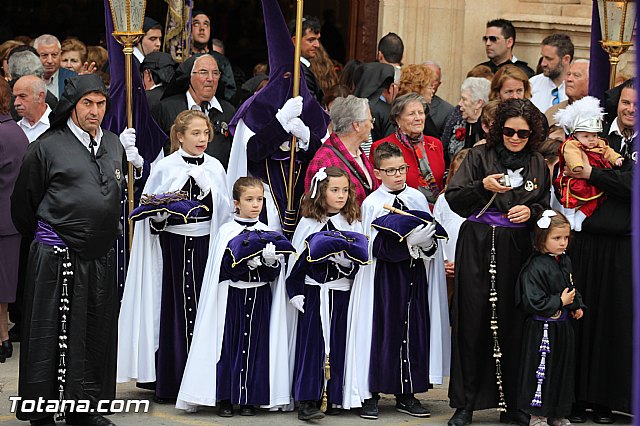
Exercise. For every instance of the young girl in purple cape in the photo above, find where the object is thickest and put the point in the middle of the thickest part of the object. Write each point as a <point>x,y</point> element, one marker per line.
<point>315,286</point>
<point>545,292</point>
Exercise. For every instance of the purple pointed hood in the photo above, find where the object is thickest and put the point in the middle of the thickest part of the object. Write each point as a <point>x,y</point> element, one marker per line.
<point>261,108</point>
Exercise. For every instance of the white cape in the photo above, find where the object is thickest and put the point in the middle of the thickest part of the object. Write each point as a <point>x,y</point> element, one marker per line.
<point>360,325</point>
<point>198,385</point>
<point>139,320</point>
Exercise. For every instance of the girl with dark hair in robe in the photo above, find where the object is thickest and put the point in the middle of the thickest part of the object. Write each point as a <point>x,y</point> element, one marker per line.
<point>546,294</point>
<point>168,259</point>
<point>319,285</point>
<point>500,187</point>
<point>239,354</point>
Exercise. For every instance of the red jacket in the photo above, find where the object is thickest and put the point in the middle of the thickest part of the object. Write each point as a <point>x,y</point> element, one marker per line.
<point>435,155</point>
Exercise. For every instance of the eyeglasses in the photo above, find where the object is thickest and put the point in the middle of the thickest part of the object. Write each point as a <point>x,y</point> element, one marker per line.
<point>492,39</point>
<point>522,133</point>
<point>204,74</point>
<point>392,171</point>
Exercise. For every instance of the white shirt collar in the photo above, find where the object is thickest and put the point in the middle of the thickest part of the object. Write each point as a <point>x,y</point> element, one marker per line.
<point>44,120</point>
<point>52,84</point>
<point>513,58</point>
<point>213,103</point>
<point>616,130</point>
<point>84,136</point>
<point>138,54</point>
<point>305,61</point>
<point>186,154</point>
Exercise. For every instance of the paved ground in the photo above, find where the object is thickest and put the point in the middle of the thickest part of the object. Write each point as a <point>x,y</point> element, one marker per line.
<point>158,414</point>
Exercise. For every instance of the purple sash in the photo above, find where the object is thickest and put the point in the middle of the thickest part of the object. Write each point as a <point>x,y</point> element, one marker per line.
<point>562,316</point>
<point>494,217</point>
<point>47,236</point>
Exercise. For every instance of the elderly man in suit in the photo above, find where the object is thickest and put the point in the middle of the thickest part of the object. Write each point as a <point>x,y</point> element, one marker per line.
<point>50,51</point>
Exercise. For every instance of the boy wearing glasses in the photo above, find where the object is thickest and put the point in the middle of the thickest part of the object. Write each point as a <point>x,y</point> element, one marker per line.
<point>400,325</point>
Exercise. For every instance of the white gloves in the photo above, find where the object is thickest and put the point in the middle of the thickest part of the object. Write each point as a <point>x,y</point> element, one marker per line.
<point>422,236</point>
<point>298,302</point>
<point>128,141</point>
<point>254,262</point>
<point>301,131</point>
<point>198,174</point>
<point>160,217</point>
<point>291,109</point>
<point>269,255</point>
<point>341,260</point>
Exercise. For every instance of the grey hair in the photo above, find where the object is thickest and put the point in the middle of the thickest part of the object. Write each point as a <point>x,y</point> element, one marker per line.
<point>401,102</point>
<point>346,111</point>
<point>38,87</point>
<point>46,39</point>
<point>581,61</point>
<point>478,87</point>
<point>25,63</point>
<point>433,63</point>
<point>206,55</point>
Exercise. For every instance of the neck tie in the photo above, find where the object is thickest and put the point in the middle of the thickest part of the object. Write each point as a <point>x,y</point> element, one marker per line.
<point>556,97</point>
<point>204,106</point>
<point>92,143</point>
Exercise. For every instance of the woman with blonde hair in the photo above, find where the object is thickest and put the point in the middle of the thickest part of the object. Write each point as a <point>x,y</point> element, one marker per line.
<point>74,54</point>
<point>168,258</point>
<point>510,82</point>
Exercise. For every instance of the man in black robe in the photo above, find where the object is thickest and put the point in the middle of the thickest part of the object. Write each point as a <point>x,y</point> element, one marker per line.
<point>68,194</point>
<point>157,70</point>
<point>194,86</point>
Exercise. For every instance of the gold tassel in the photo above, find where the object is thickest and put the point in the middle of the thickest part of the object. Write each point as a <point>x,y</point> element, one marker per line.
<point>327,376</point>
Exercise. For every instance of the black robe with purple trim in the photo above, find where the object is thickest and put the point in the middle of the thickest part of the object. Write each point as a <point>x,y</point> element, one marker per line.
<point>541,282</point>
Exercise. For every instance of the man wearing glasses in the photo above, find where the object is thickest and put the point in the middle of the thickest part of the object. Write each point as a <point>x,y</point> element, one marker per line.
<point>194,87</point>
<point>498,43</point>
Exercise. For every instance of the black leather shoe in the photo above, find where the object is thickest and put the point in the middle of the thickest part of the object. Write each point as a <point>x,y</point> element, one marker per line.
<point>225,409</point>
<point>369,409</point>
<point>8,348</point>
<point>309,411</point>
<point>515,417</point>
<point>247,410</point>
<point>577,416</point>
<point>159,400</point>
<point>3,355</point>
<point>333,411</point>
<point>47,421</point>
<point>602,415</point>
<point>87,420</point>
<point>461,417</point>
<point>412,406</point>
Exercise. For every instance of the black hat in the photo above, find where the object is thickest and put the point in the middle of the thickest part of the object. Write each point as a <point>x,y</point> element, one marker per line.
<point>149,23</point>
<point>374,78</point>
<point>75,88</point>
<point>161,64</point>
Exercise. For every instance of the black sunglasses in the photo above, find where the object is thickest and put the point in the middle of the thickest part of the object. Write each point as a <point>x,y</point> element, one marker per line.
<point>492,39</point>
<point>522,133</point>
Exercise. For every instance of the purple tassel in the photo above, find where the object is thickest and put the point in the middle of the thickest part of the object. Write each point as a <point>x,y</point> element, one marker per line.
<point>537,398</point>
<point>545,348</point>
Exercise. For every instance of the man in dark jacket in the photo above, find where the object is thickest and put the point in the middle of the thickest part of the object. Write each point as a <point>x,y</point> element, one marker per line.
<point>308,50</point>
<point>376,84</point>
<point>498,41</point>
<point>193,87</point>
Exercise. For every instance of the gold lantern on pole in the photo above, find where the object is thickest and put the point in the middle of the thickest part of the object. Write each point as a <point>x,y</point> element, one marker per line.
<point>617,22</point>
<point>128,17</point>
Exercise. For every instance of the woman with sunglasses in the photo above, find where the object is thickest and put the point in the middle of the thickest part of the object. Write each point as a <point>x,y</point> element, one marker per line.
<point>500,188</point>
<point>423,154</point>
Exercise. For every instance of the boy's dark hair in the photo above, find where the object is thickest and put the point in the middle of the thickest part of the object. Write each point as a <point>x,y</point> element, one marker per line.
<point>506,28</point>
<point>385,151</point>
<point>540,234</point>
<point>308,22</point>
<point>561,42</point>
<point>392,48</point>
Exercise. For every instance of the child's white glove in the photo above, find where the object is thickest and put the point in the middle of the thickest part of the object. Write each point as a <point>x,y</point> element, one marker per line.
<point>160,217</point>
<point>198,174</point>
<point>341,260</point>
<point>298,302</point>
<point>422,236</point>
<point>269,255</point>
<point>254,262</point>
